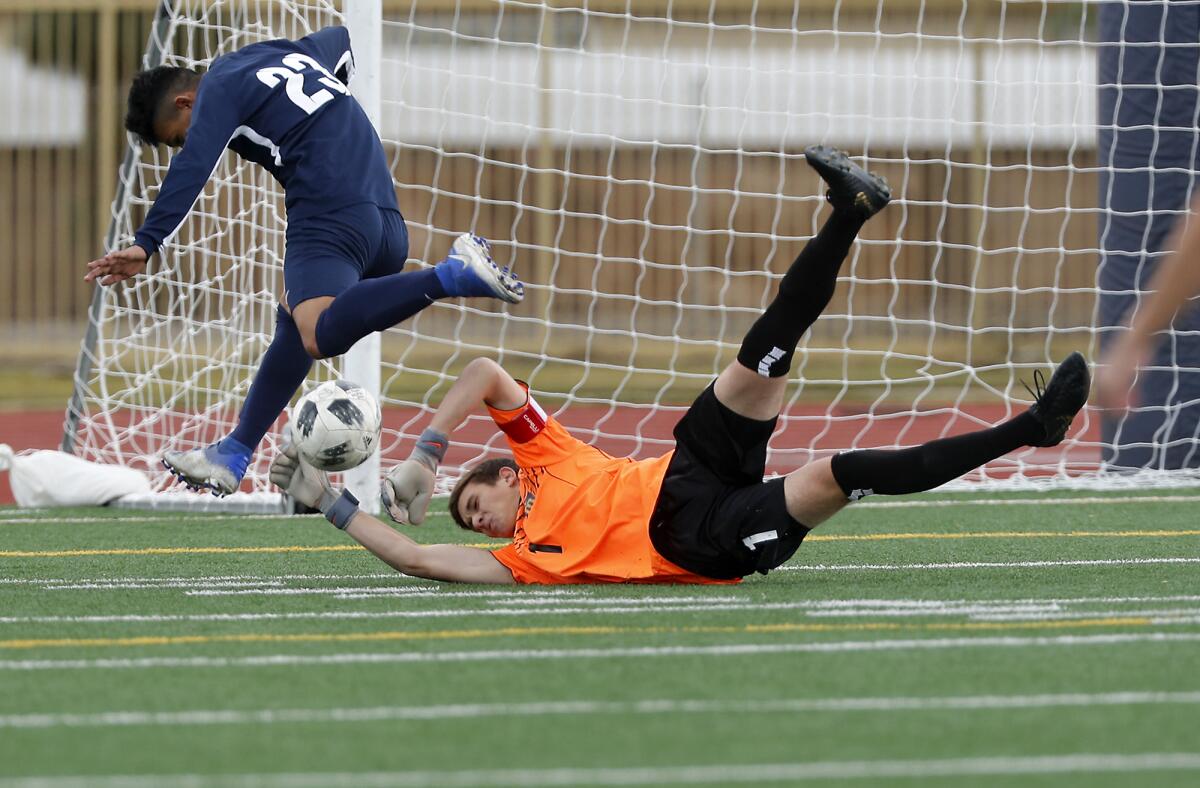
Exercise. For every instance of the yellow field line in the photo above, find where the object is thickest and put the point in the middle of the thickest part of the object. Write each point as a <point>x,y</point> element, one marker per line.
<point>445,634</point>
<point>496,545</point>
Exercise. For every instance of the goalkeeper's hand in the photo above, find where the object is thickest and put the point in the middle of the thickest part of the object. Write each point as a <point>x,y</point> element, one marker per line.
<point>407,490</point>
<point>298,479</point>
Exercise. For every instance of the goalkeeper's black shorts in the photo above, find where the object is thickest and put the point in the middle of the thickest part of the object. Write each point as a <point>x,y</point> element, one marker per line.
<point>715,516</point>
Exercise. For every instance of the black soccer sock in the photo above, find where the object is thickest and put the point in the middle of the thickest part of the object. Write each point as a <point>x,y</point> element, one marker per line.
<point>281,371</point>
<point>803,294</point>
<point>901,471</point>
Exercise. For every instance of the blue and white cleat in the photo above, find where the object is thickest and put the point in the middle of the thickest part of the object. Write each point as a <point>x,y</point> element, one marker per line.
<point>218,468</point>
<point>469,270</point>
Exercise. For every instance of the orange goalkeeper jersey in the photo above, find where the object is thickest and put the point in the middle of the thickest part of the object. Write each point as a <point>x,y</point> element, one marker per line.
<point>584,516</point>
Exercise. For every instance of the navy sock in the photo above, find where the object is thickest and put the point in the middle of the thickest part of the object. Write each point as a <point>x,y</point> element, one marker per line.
<point>281,371</point>
<point>901,471</point>
<point>803,294</point>
<point>375,305</point>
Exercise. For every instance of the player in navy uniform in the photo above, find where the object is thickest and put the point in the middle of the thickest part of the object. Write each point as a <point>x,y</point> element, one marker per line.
<point>284,105</point>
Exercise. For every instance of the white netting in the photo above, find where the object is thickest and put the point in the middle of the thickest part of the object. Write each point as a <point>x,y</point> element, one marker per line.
<point>644,172</point>
<point>640,165</point>
<point>176,349</point>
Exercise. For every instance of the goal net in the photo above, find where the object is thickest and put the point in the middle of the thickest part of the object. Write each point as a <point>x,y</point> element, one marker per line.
<point>169,355</point>
<point>641,166</point>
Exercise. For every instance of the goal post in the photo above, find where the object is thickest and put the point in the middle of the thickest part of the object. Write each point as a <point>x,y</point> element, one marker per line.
<point>361,363</point>
<point>640,165</point>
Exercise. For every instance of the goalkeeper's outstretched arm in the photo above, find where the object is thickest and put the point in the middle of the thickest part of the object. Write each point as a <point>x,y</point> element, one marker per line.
<point>457,563</point>
<point>408,488</point>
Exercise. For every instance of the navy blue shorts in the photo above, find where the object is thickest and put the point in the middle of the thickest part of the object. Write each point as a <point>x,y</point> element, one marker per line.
<point>328,254</point>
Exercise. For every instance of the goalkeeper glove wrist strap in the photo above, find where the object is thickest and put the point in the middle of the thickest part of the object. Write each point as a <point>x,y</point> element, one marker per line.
<point>341,510</point>
<point>431,448</point>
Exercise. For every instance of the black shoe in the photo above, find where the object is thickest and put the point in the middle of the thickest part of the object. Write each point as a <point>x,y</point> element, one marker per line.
<point>851,188</point>
<point>1058,401</point>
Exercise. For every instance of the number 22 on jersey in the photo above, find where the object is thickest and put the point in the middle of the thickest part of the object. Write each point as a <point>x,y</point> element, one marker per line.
<point>297,64</point>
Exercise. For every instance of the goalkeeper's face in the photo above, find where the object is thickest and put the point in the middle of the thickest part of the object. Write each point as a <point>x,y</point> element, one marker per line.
<point>491,508</point>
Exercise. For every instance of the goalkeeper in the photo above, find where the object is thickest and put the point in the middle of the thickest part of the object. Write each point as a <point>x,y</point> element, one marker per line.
<point>284,105</point>
<point>700,514</point>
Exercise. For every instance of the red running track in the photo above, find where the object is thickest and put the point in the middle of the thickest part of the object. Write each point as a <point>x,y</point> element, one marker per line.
<point>808,433</point>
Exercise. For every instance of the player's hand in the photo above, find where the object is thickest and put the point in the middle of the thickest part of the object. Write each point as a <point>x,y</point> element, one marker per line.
<point>1116,373</point>
<point>407,490</point>
<point>117,266</point>
<point>297,478</point>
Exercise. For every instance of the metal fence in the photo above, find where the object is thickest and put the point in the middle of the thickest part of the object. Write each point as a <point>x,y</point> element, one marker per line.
<point>60,144</point>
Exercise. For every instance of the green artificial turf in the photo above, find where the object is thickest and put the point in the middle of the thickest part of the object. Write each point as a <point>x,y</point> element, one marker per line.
<point>872,658</point>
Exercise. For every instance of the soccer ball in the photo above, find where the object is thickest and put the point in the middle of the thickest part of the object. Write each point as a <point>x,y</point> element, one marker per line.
<point>336,425</point>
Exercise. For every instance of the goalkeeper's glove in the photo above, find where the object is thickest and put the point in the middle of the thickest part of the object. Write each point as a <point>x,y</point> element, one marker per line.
<point>290,473</point>
<point>408,487</point>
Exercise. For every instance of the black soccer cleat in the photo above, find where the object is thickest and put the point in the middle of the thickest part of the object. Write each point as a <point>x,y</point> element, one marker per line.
<point>851,188</point>
<point>1057,402</point>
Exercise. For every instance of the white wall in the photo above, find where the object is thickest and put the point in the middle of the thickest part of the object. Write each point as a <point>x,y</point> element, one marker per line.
<point>927,94</point>
<point>39,106</point>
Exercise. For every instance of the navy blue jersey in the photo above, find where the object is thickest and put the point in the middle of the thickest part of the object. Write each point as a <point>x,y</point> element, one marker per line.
<point>284,105</point>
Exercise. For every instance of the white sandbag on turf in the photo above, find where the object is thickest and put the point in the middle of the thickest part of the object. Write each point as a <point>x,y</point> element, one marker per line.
<point>55,478</point>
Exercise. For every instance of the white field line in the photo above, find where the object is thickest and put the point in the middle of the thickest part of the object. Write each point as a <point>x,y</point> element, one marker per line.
<point>584,595</point>
<point>945,610</point>
<point>724,650</point>
<point>1028,501</point>
<point>715,774</point>
<point>368,592</point>
<point>597,595</point>
<point>164,586</point>
<point>361,592</point>
<point>524,612</point>
<point>205,578</point>
<point>548,708</point>
<point>1174,616</point>
<point>166,520</point>
<point>530,597</point>
<point>981,613</point>
<point>536,595</point>
<point>201,588</point>
<point>352,592</point>
<point>601,601</point>
<point>371,592</point>
<point>982,610</point>
<point>513,611</point>
<point>1067,615</point>
<point>985,564</point>
<point>383,614</point>
<point>920,504</point>
<point>856,603</point>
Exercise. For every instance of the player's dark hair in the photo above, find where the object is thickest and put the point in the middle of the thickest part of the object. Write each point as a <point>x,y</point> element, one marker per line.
<point>486,472</point>
<point>147,98</point>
